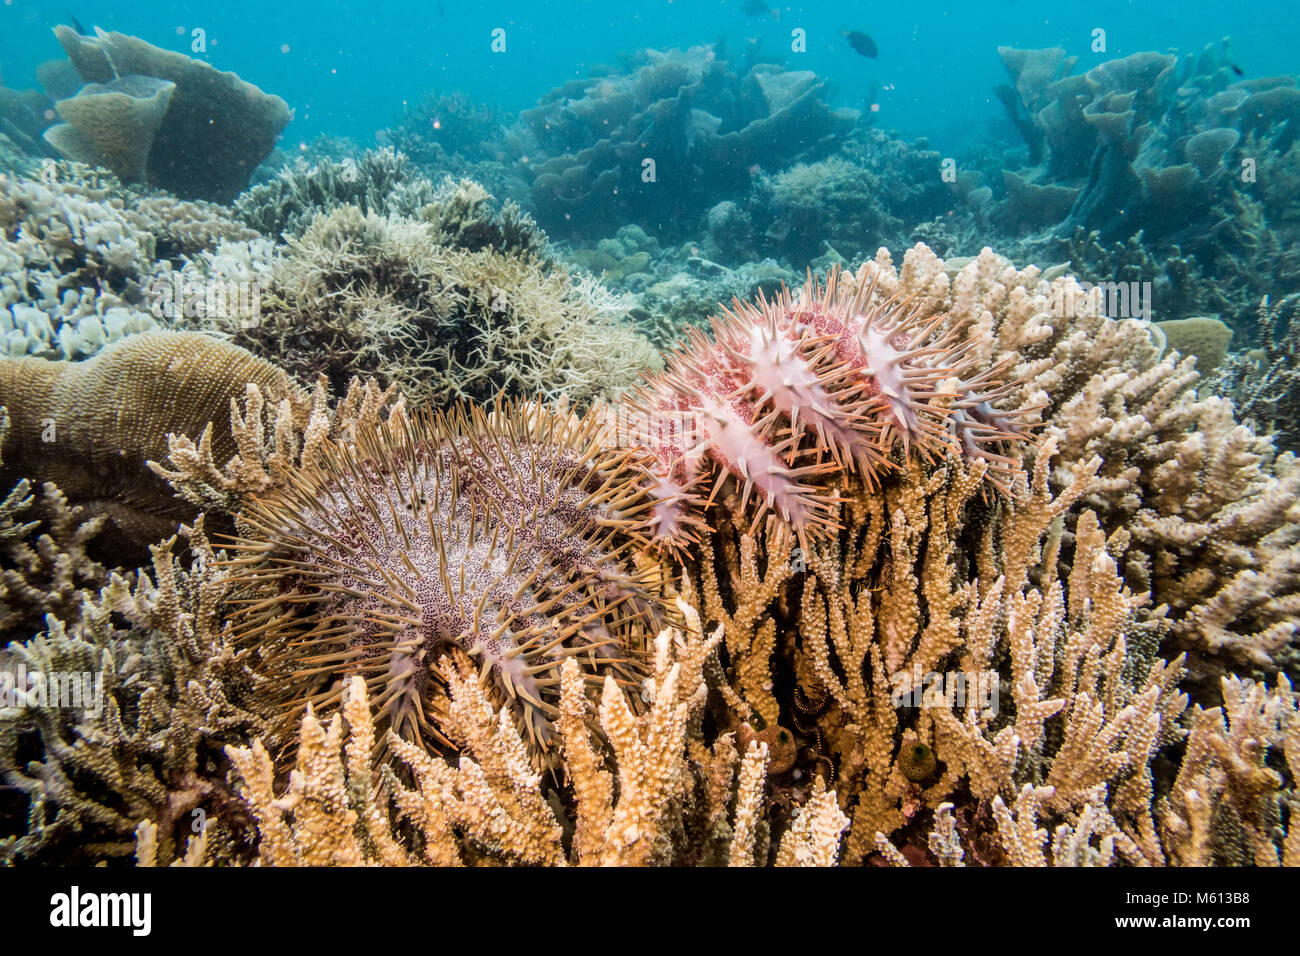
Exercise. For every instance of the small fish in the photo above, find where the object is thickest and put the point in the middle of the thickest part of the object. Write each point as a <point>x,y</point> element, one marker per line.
<point>1236,69</point>
<point>76,25</point>
<point>861,43</point>
<point>753,8</point>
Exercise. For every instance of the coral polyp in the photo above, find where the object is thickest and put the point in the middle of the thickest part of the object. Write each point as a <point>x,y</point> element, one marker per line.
<point>510,534</point>
<point>787,396</point>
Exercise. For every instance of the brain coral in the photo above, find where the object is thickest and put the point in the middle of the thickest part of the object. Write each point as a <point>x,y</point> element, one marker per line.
<point>787,393</point>
<point>91,426</point>
<point>509,534</point>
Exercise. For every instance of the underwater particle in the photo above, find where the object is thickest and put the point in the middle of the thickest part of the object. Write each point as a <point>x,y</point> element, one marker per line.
<point>510,534</point>
<point>916,760</point>
<point>787,396</point>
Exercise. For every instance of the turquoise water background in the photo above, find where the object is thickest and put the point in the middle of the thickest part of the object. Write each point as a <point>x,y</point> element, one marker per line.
<point>347,67</point>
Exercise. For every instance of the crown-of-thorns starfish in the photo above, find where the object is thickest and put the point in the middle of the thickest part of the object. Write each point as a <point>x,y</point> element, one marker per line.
<point>789,397</point>
<point>509,534</point>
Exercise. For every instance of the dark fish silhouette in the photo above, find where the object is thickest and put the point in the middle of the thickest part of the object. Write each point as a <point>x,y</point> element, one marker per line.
<point>76,25</point>
<point>861,43</point>
<point>1236,69</point>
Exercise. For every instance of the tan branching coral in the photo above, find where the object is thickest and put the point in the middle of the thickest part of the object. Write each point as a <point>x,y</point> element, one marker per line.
<point>667,802</point>
<point>1211,510</point>
<point>272,438</point>
<point>159,698</point>
<point>928,585</point>
<point>46,564</point>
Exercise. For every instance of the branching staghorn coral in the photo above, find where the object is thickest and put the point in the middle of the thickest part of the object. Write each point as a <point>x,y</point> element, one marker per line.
<point>1061,690</point>
<point>1227,806</point>
<point>146,744</point>
<point>1264,383</point>
<point>1087,754</point>
<point>273,439</point>
<point>669,799</point>
<point>46,564</point>
<point>454,303</point>
<point>1210,508</point>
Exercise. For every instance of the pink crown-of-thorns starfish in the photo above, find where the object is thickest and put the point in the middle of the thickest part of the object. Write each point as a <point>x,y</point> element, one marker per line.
<point>789,397</point>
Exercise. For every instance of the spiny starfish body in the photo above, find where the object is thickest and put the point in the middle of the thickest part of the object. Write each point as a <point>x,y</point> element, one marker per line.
<point>790,396</point>
<point>507,534</point>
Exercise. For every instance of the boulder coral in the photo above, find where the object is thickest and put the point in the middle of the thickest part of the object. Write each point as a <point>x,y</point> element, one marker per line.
<point>90,427</point>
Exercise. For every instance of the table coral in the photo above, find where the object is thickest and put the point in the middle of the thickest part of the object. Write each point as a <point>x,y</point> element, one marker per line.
<point>214,129</point>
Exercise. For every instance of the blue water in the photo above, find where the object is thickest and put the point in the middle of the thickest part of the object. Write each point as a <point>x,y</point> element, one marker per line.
<point>349,66</point>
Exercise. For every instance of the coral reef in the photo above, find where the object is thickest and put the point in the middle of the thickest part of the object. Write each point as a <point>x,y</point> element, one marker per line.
<point>74,267</point>
<point>459,303</point>
<point>1202,336</point>
<point>1092,666</point>
<point>841,209</point>
<point>44,576</point>
<point>25,114</point>
<point>209,129</point>
<point>670,307</point>
<point>47,564</point>
<point>585,146</point>
<point>112,124</point>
